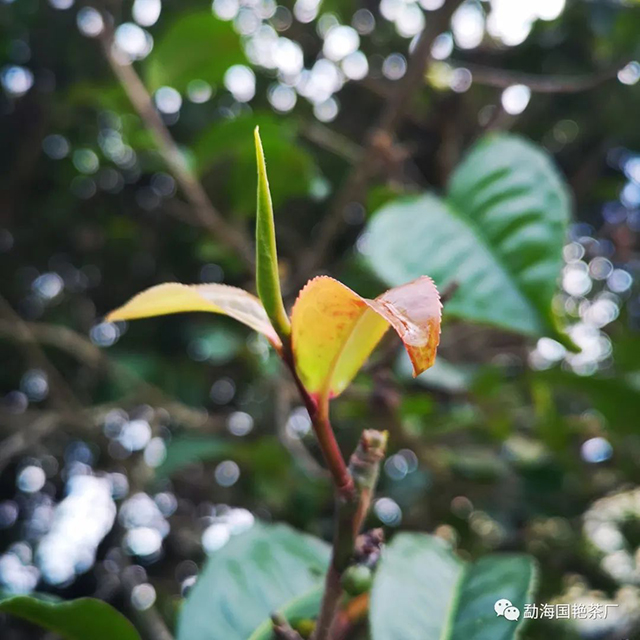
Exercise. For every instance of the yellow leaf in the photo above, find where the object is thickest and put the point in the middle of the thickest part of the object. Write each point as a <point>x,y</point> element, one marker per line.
<point>173,297</point>
<point>334,330</point>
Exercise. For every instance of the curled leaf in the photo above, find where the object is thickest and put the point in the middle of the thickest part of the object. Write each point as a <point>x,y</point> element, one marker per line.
<point>172,297</point>
<point>414,311</point>
<point>334,330</point>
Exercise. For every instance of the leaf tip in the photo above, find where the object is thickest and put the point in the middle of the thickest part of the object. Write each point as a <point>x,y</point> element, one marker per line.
<point>414,310</point>
<point>116,315</point>
<point>112,316</point>
<point>259,149</point>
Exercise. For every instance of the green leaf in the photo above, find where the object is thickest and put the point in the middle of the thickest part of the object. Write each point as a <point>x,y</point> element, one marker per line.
<point>196,46</point>
<point>267,275</point>
<point>499,234</point>
<point>73,620</point>
<point>255,574</point>
<point>422,590</point>
<point>306,606</point>
<point>225,152</point>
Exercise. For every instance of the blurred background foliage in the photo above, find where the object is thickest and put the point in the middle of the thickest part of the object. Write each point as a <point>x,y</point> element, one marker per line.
<point>130,452</point>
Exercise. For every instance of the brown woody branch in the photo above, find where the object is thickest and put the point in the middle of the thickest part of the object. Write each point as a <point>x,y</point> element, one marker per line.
<point>22,439</point>
<point>207,216</point>
<point>348,618</point>
<point>501,79</point>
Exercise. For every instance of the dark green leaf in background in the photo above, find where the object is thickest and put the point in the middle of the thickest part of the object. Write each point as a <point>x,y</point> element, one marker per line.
<point>196,46</point>
<point>499,234</point>
<point>228,145</point>
<point>423,591</point>
<point>445,375</point>
<point>82,619</point>
<point>255,574</point>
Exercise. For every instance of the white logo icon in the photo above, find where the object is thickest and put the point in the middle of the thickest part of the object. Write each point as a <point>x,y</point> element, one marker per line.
<point>504,608</point>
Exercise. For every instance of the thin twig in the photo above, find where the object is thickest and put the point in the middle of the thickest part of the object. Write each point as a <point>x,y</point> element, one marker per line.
<point>61,394</point>
<point>502,78</point>
<point>282,630</point>
<point>380,137</point>
<point>22,439</point>
<point>34,429</point>
<point>148,620</point>
<point>449,291</point>
<point>332,141</point>
<point>89,354</point>
<point>206,214</point>
<point>352,615</point>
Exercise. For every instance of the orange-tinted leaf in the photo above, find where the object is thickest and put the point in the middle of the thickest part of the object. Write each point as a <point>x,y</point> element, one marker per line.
<point>334,330</point>
<point>414,311</point>
<point>173,297</point>
<point>324,318</point>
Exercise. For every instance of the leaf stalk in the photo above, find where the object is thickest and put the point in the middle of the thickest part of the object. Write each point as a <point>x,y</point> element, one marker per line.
<point>319,415</point>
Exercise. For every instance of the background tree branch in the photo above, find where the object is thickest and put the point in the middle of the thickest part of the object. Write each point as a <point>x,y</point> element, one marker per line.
<point>205,213</point>
<point>379,140</point>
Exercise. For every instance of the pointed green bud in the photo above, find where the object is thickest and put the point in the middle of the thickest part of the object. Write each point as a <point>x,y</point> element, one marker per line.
<point>267,277</point>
